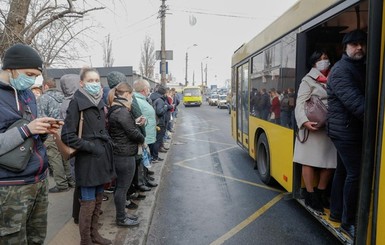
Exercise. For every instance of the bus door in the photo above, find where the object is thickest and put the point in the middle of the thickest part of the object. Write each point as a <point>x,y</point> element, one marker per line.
<point>243,105</point>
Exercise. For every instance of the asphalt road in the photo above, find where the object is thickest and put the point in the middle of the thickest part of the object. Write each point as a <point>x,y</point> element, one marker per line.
<point>210,193</point>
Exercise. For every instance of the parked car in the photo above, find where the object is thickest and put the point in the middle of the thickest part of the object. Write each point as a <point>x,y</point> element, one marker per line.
<point>213,100</point>
<point>222,101</point>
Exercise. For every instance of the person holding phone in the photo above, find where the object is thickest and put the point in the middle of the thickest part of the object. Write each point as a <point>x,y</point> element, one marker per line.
<point>23,194</point>
<point>126,135</point>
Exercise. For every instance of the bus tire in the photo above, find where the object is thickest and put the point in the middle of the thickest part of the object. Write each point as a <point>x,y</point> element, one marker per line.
<point>263,159</point>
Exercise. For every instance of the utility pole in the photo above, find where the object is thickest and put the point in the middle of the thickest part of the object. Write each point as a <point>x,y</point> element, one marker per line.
<point>185,78</point>
<point>162,13</point>
<point>202,73</point>
<point>206,74</point>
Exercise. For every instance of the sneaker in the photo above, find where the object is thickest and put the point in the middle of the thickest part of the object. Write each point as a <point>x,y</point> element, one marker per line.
<point>127,222</point>
<point>109,190</point>
<point>131,205</point>
<point>159,159</point>
<point>139,197</point>
<point>162,150</point>
<point>105,198</point>
<point>57,189</point>
<point>132,216</point>
<point>149,172</point>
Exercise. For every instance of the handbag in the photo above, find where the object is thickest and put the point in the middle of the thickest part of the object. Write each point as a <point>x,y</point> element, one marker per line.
<point>16,160</point>
<point>316,111</point>
<point>66,151</point>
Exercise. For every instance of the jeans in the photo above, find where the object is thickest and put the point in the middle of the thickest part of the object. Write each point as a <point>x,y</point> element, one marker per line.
<point>125,170</point>
<point>159,141</point>
<point>286,118</point>
<point>344,193</point>
<point>88,193</point>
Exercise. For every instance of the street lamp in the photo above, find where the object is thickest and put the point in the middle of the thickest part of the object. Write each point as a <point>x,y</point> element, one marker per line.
<point>205,58</point>
<point>185,78</point>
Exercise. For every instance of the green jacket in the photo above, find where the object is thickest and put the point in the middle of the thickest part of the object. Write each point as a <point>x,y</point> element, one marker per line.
<point>149,113</point>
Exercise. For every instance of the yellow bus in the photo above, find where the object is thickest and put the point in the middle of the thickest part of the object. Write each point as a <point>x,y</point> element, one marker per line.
<point>192,96</point>
<point>276,58</point>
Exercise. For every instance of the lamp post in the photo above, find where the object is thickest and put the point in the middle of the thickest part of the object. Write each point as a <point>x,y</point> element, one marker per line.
<point>185,78</point>
<point>205,58</point>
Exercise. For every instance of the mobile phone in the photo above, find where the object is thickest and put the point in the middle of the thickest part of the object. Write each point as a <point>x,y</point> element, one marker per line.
<point>56,121</point>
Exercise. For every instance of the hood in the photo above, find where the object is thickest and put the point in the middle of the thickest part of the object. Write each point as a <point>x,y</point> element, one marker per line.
<point>55,94</point>
<point>154,96</point>
<point>69,83</point>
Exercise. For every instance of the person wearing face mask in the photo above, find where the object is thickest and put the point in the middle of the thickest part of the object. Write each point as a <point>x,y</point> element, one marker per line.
<point>94,159</point>
<point>346,99</point>
<point>127,137</point>
<point>317,154</point>
<point>23,194</point>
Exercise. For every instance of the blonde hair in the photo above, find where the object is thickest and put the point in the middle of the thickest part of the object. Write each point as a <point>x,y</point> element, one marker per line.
<point>118,90</point>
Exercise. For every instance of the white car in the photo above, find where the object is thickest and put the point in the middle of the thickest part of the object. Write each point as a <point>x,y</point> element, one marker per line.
<point>213,99</point>
<point>222,101</point>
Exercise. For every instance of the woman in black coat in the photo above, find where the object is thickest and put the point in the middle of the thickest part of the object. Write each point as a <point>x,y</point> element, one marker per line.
<point>93,163</point>
<point>127,137</point>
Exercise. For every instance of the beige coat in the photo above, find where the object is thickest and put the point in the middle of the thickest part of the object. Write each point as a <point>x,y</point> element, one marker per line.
<point>318,150</point>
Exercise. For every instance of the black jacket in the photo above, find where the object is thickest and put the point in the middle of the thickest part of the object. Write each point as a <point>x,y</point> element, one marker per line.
<point>346,101</point>
<point>93,161</point>
<point>125,134</point>
<point>161,108</point>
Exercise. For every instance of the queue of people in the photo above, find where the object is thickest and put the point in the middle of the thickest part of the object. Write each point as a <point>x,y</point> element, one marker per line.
<point>109,145</point>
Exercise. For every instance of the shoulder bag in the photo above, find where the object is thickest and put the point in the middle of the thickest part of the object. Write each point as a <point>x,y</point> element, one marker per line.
<point>316,111</point>
<point>17,159</point>
<point>66,151</point>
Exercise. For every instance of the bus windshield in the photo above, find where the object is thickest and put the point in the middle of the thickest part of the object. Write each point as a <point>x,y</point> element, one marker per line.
<point>192,92</point>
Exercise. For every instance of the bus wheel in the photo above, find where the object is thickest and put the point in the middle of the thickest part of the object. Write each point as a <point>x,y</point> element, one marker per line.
<point>263,159</point>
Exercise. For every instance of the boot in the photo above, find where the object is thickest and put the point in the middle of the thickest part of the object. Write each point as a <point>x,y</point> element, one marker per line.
<point>324,198</point>
<point>85,220</point>
<point>96,237</point>
<point>76,205</point>
<point>313,200</point>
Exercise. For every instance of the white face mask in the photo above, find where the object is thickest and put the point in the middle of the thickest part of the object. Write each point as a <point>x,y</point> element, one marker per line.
<point>322,65</point>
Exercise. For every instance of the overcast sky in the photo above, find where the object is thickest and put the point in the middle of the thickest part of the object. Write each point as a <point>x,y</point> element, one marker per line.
<point>221,27</point>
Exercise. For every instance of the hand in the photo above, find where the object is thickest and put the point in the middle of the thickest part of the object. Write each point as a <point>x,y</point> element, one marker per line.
<point>43,125</point>
<point>140,120</point>
<point>310,125</point>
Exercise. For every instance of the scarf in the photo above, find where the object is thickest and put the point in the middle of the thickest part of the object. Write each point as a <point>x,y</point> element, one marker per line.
<point>94,100</point>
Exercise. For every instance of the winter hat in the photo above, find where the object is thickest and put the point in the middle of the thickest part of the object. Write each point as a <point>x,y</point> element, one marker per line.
<point>21,56</point>
<point>114,78</point>
<point>354,36</point>
<point>162,90</point>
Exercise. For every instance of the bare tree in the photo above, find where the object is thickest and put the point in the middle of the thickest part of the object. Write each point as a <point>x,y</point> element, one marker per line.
<point>25,19</point>
<point>147,59</point>
<point>108,58</point>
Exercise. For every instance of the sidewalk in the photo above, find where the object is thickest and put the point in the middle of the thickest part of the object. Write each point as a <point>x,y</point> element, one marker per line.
<point>68,234</point>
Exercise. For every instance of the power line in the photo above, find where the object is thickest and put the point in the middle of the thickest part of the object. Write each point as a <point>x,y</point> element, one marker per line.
<point>219,14</point>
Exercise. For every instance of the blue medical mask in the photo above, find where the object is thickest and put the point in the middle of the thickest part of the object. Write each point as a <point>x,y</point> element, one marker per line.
<point>22,81</point>
<point>92,88</point>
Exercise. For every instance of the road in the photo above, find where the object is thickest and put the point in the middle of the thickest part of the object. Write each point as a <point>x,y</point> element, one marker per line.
<point>209,192</point>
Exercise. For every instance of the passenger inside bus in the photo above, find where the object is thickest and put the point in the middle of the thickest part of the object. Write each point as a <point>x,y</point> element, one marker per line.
<point>313,148</point>
<point>346,100</point>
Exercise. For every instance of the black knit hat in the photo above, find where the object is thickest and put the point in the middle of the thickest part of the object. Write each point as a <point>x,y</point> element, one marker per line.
<point>114,78</point>
<point>21,56</point>
<point>354,36</point>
